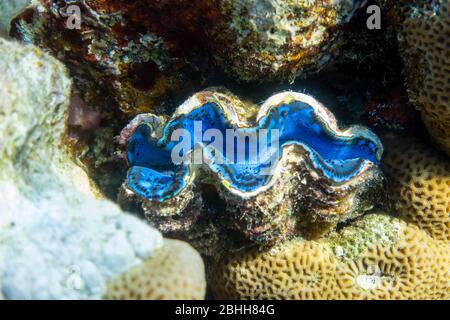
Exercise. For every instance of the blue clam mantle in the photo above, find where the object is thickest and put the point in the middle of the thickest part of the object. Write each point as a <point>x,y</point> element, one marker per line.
<point>299,119</point>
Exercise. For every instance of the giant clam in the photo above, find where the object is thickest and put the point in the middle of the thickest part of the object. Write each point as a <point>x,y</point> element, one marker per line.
<point>319,174</point>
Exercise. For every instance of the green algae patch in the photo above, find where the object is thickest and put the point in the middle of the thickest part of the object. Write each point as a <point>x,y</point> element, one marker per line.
<point>374,229</point>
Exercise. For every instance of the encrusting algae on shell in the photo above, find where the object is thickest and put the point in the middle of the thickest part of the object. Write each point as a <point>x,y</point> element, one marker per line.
<point>301,174</point>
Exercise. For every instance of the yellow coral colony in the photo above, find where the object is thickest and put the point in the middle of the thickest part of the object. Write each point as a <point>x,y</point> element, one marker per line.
<point>426,52</point>
<point>419,182</point>
<point>377,258</point>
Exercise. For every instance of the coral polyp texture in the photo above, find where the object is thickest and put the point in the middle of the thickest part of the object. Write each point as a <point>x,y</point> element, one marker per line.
<point>173,272</point>
<point>57,241</point>
<point>419,185</point>
<point>287,165</point>
<point>378,257</point>
<point>107,53</point>
<point>426,52</point>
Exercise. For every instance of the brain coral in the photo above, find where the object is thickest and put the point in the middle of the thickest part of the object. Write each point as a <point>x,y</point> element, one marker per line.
<point>56,240</point>
<point>377,258</point>
<point>174,272</point>
<point>419,185</point>
<point>426,52</point>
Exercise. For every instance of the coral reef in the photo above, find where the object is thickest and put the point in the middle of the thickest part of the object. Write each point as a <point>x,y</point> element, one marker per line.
<point>426,53</point>
<point>281,200</point>
<point>301,168</point>
<point>419,185</point>
<point>8,10</point>
<point>56,240</point>
<point>378,257</point>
